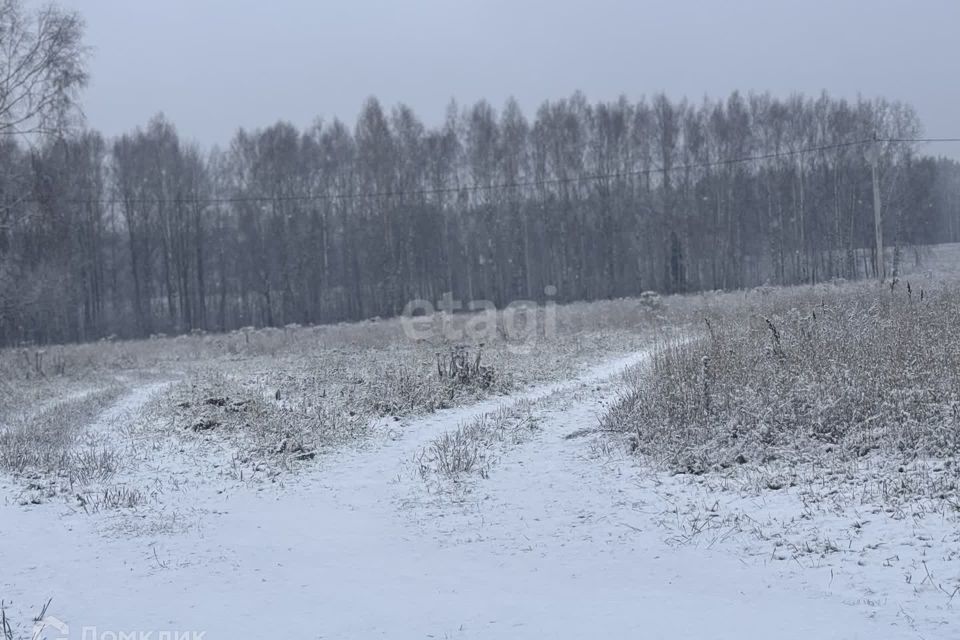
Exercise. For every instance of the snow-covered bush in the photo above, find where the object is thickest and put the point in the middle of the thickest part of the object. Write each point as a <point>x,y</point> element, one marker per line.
<point>801,374</point>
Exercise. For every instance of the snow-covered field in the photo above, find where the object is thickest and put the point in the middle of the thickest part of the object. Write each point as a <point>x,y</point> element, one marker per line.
<point>562,535</point>
<point>334,482</point>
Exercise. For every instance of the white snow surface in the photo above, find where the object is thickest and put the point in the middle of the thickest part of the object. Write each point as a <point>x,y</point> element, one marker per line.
<point>562,540</point>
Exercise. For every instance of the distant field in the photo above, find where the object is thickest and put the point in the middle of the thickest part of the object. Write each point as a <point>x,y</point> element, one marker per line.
<point>280,397</point>
<point>930,262</point>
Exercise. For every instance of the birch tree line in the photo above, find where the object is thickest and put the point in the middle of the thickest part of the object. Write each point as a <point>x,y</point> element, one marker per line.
<point>149,234</point>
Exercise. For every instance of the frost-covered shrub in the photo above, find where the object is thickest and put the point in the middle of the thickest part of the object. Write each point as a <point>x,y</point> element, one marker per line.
<point>843,371</point>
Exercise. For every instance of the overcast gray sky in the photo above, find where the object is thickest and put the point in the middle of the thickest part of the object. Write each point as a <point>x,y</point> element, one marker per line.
<point>214,65</point>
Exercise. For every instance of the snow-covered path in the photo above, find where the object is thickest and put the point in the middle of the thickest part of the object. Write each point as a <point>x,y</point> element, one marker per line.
<point>552,545</point>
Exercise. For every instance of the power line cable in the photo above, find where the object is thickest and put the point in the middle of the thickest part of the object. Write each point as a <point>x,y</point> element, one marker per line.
<point>920,140</point>
<point>478,188</point>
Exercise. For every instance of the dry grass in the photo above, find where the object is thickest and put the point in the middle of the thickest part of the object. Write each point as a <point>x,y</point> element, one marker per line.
<point>279,397</point>
<point>293,409</point>
<point>54,456</point>
<point>808,376</point>
<point>471,448</point>
<point>110,498</point>
<point>12,631</point>
<point>49,442</point>
<point>287,395</point>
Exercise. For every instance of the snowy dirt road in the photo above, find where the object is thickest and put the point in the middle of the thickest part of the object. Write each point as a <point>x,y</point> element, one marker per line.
<point>554,544</point>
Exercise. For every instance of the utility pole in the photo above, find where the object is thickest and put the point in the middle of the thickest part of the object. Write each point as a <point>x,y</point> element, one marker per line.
<point>880,264</point>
